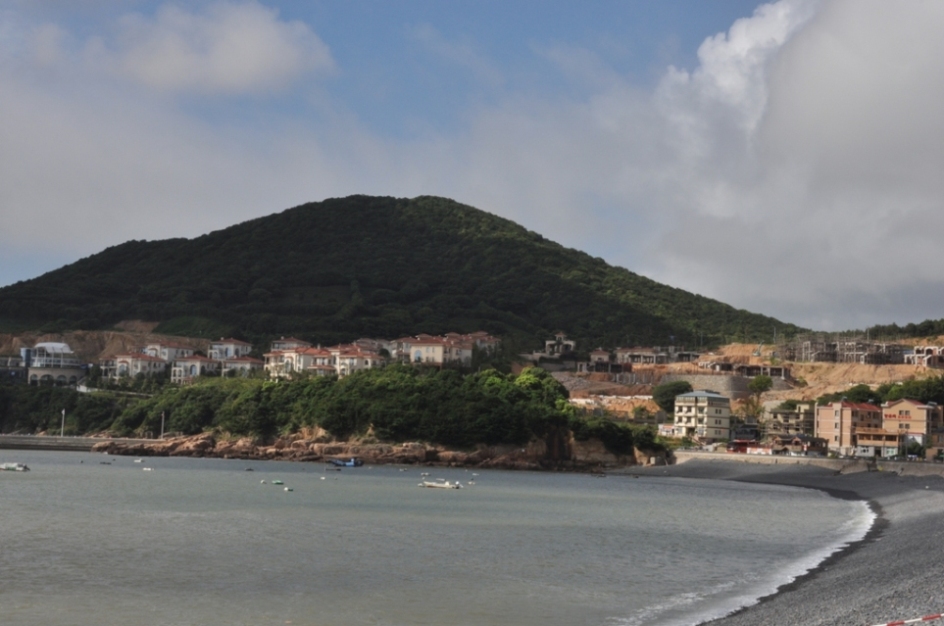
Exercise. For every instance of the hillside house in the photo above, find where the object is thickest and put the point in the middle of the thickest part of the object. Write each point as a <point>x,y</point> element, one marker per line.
<point>186,369</point>
<point>51,363</point>
<point>349,359</point>
<point>12,369</point>
<point>228,349</point>
<point>168,351</point>
<point>130,365</point>
<point>283,363</point>
<point>240,365</point>
<point>290,343</point>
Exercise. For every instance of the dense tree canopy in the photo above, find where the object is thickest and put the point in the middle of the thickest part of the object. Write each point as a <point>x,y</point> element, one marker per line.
<point>923,390</point>
<point>664,395</point>
<point>378,267</point>
<point>397,403</point>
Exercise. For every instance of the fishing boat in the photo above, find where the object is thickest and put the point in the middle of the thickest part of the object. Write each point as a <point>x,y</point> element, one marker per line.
<point>14,467</point>
<point>441,484</point>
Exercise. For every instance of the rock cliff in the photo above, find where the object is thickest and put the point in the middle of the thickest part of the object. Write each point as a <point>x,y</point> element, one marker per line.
<point>311,447</point>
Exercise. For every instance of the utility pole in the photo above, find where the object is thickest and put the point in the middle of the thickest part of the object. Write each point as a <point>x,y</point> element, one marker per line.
<point>162,424</point>
<point>62,428</point>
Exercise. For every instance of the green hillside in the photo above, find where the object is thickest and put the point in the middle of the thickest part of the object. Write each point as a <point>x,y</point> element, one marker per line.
<point>373,266</point>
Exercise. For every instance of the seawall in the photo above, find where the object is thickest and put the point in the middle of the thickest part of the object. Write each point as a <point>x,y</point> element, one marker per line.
<point>43,442</point>
<point>840,466</point>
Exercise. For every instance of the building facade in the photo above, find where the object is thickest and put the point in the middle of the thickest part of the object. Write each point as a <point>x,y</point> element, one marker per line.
<point>703,415</point>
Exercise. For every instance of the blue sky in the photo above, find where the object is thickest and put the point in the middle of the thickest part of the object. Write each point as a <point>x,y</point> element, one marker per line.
<point>781,157</point>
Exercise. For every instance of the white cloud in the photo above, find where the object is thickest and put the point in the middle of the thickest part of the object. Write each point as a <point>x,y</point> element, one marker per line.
<point>229,49</point>
<point>794,172</point>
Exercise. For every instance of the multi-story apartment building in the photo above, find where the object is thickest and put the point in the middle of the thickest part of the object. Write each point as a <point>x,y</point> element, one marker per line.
<point>904,422</point>
<point>703,415</point>
<point>839,423</point>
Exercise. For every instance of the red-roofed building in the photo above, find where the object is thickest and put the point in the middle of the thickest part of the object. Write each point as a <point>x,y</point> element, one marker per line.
<point>904,422</point>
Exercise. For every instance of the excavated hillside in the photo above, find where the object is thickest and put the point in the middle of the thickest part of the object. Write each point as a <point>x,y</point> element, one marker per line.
<point>91,346</point>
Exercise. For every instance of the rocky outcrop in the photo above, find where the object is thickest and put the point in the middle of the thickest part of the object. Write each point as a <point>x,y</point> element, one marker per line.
<point>312,447</point>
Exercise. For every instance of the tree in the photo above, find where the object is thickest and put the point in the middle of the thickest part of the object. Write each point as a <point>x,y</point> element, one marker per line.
<point>664,395</point>
<point>760,384</point>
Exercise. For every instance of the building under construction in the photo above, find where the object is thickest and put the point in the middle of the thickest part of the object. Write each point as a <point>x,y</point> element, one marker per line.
<point>843,348</point>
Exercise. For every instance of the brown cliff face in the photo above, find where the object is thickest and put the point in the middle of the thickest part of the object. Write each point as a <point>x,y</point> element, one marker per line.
<point>536,455</point>
<point>92,345</point>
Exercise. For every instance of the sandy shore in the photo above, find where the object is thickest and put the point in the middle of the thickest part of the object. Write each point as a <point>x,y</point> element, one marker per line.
<point>895,573</point>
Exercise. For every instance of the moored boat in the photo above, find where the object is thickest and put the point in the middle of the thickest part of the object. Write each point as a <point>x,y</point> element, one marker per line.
<point>352,462</point>
<point>441,484</point>
<point>14,467</point>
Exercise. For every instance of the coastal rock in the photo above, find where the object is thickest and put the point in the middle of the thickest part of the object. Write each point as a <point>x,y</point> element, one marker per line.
<point>198,445</point>
<point>308,447</point>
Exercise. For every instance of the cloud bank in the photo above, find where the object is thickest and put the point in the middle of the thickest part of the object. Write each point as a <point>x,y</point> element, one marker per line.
<point>793,172</point>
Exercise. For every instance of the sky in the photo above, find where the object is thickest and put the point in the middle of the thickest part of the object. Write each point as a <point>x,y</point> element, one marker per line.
<point>785,158</point>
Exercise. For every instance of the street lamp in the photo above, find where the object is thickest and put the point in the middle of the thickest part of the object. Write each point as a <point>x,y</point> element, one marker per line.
<point>162,424</point>
<point>62,428</point>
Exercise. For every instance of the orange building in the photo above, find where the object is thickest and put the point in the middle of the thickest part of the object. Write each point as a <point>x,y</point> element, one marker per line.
<point>838,423</point>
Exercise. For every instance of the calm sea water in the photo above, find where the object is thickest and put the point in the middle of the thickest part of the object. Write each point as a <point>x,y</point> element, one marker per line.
<point>201,541</point>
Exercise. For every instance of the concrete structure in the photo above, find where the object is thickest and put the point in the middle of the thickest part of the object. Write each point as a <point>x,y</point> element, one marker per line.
<point>790,422</point>
<point>703,415</point>
<point>656,355</point>
<point>928,356</point>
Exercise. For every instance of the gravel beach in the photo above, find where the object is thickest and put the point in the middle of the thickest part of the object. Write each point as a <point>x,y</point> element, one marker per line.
<point>895,573</point>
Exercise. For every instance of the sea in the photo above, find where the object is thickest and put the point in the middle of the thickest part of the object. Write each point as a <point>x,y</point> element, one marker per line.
<point>95,540</point>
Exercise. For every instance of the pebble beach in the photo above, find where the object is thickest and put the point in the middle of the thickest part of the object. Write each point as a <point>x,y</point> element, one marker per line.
<point>895,573</point>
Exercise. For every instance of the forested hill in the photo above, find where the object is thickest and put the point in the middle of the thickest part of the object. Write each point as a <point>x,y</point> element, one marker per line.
<point>378,267</point>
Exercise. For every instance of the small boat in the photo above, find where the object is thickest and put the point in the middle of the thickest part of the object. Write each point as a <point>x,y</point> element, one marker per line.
<point>14,467</point>
<point>277,482</point>
<point>139,460</point>
<point>440,484</point>
<point>352,462</point>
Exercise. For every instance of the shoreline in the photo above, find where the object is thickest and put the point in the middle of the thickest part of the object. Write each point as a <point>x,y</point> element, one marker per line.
<point>893,573</point>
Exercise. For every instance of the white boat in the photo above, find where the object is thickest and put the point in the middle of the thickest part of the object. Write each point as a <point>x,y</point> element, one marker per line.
<point>14,467</point>
<point>441,484</point>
